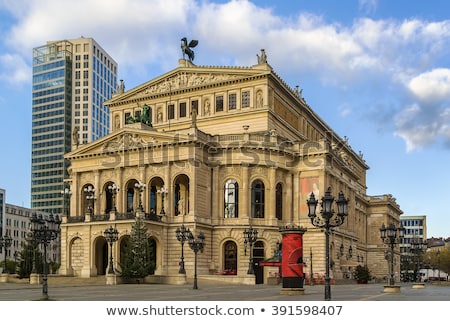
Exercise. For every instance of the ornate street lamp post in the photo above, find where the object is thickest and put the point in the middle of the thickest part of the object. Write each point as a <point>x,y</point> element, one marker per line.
<point>44,231</point>
<point>417,248</point>
<point>390,237</point>
<point>182,236</point>
<point>163,191</point>
<point>196,244</point>
<point>328,220</point>
<point>141,187</point>
<point>5,242</point>
<point>114,189</point>
<point>112,235</point>
<point>250,237</point>
<point>66,192</point>
<point>90,197</point>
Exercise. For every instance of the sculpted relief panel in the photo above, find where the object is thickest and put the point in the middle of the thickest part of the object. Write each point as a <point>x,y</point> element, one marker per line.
<point>185,80</point>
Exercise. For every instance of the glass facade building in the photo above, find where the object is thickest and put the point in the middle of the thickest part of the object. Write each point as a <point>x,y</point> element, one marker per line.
<point>71,80</point>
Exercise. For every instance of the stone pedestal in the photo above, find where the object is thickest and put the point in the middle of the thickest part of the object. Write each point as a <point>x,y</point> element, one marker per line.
<point>4,278</point>
<point>111,279</point>
<point>418,285</point>
<point>35,278</point>
<point>391,289</point>
<point>292,291</point>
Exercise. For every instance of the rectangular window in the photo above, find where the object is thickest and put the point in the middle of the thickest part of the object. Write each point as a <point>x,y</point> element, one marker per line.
<point>171,112</point>
<point>246,99</point>
<point>219,103</point>
<point>182,110</point>
<point>231,101</point>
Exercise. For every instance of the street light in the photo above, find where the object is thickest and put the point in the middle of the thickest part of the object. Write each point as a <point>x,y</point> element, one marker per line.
<point>114,189</point>
<point>196,245</point>
<point>327,220</point>
<point>417,248</point>
<point>66,192</point>
<point>182,236</point>
<point>90,197</point>
<point>163,191</point>
<point>44,231</point>
<point>250,237</point>
<point>112,235</point>
<point>5,242</point>
<point>141,187</point>
<point>390,237</point>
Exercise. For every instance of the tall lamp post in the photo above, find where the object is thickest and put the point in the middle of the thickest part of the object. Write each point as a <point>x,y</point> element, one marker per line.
<point>250,237</point>
<point>112,235</point>
<point>44,231</point>
<point>5,243</point>
<point>196,244</point>
<point>114,189</point>
<point>182,236</point>
<point>163,191</point>
<point>141,187</point>
<point>417,248</point>
<point>328,220</point>
<point>66,192</point>
<point>391,235</point>
<point>90,197</point>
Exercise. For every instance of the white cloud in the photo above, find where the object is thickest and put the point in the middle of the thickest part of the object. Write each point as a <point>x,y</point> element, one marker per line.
<point>15,70</point>
<point>431,86</point>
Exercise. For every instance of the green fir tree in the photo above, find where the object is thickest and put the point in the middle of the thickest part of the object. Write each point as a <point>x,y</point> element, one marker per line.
<point>137,255</point>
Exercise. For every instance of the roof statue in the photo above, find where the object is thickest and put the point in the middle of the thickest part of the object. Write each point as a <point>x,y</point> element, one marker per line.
<point>186,48</point>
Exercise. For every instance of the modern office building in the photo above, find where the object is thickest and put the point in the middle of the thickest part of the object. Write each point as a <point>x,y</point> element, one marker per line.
<point>17,226</point>
<point>218,150</point>
<point>71,81</point>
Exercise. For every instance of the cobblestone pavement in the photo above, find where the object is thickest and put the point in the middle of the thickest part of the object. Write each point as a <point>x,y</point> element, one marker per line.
<point>209,291</point>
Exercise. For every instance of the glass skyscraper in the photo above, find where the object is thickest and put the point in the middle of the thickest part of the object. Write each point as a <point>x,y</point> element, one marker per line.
<point>71,80</point>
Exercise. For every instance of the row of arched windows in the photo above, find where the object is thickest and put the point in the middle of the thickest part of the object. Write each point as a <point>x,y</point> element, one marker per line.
<point>231,199</point>
<point>157,194</point>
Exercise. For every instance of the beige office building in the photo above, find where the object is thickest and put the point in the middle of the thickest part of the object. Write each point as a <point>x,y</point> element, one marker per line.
<point>218,149</point>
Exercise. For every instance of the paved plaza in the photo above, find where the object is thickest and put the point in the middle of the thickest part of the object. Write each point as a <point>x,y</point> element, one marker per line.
<point>210,291</point>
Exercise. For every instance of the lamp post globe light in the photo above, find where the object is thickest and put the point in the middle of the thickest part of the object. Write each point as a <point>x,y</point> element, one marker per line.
<point>327,220</point>
<point>196,244</point>
<point>391,235</point>
<point>111,235</point>
<point>5,243</point>
<point>44,231</point>
<point>250,237</point>
<point>182,236</point>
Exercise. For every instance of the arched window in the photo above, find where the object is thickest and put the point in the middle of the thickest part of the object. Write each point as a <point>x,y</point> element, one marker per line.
<point>231,198</point>
<point>130,199</point>
<point>279,201</point>
<point>257,199</point>
<point>230,258</point>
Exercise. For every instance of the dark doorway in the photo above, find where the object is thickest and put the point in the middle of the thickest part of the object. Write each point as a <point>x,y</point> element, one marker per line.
<point>258,256</point>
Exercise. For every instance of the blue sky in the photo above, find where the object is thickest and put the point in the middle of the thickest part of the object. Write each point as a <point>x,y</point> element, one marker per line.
<point>377,71</point>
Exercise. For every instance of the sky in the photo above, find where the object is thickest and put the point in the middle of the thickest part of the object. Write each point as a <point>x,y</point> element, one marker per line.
<point>377,71</point>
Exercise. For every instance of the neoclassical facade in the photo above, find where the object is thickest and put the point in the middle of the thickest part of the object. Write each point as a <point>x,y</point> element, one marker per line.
<point>218,149</point>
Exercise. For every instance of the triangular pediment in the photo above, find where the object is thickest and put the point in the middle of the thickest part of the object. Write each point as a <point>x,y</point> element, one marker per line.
<point>130,137</point>
<point>188,76</point>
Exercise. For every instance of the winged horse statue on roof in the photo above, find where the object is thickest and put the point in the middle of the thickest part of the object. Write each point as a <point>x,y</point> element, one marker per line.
<point>186,48</point>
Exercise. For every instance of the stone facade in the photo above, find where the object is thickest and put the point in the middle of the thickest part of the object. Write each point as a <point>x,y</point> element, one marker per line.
<point>218,149</point>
